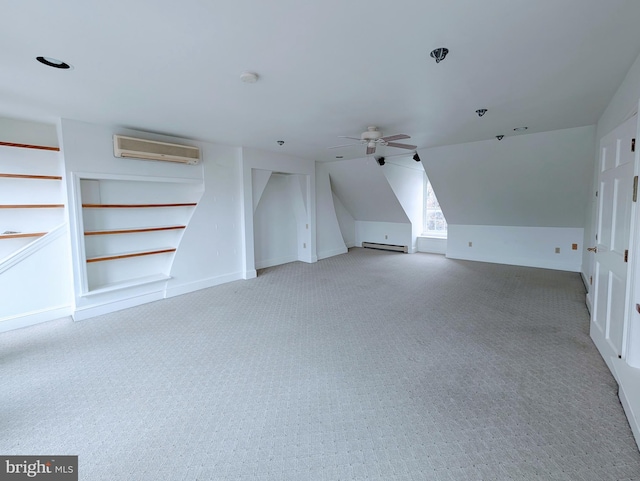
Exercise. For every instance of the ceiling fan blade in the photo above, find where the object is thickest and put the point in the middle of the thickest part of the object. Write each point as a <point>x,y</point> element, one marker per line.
<point>340,146</point>
<point>345,137</point>
<point>402,146</point>
<point>371,150</point>
<point>391,138</point>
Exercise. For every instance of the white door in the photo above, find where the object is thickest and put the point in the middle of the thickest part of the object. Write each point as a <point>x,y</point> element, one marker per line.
<point>613,221</point>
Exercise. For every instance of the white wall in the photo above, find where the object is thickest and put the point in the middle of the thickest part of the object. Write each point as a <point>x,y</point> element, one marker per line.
<point>210,251</point>
<point>30,133</point>
<point>36,286</point>
<point>432,245</point>
<point>408,186</point>
<point>277,163</point>
<point>364,190</point>
<point>211,247</point>
<point>275,224</point>
<point>330,240</point>
<point>346,222</point>
<point>365,193</point>
<point>35,272</point>
<point>522,246</point>
<point>539,179</point>
<point>383,233</point>
<point>516,199</point>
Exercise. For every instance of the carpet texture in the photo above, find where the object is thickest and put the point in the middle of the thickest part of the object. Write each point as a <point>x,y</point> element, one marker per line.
<point>365,366</point>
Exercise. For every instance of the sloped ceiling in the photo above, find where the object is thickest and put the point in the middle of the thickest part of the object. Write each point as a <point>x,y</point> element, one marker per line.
<point>363,189</point>
<point>326,67</point>
<point>537,180</point>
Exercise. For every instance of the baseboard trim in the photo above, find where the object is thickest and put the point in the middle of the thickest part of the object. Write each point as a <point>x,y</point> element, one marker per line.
<point>332,252</point>
<point>83,313</point>
<point>628,379</point>
<point>181,289</point>
<point>587,301</point>
<point>275,262</point>
<point>250,274</point>
<point>34,317</point>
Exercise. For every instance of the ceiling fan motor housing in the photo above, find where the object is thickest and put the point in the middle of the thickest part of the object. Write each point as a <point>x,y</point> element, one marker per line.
<point>372,133</point>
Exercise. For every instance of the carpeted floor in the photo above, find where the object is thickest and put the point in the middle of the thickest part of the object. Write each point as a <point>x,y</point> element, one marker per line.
<point>365,366</point>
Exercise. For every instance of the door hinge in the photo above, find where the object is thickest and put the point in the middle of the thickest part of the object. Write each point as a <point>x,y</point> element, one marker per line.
<point>590,279</point>
<point>633,145</point>
<point>596,193</point>
<point>635,188</point>
<point>626,255</point>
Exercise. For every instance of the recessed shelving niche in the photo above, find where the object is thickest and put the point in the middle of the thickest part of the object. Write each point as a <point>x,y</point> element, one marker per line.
<point>31,194</point>
<point>131,229</point>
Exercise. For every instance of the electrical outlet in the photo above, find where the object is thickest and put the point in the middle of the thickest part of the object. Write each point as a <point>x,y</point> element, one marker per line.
<point>470,244</point>
<point>307,226</point>
<point>574,247</point>
<point>304,245</point>
<point>557,250</point>
<point>386,236</point>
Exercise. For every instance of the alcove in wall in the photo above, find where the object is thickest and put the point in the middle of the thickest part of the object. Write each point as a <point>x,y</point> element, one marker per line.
<point>281,217</point>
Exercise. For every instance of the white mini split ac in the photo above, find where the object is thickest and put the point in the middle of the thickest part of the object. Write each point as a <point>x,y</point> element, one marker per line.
<point>151,150</point>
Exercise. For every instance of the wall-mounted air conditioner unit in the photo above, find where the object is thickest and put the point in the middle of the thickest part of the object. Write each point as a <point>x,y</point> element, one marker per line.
<point>152,150</point>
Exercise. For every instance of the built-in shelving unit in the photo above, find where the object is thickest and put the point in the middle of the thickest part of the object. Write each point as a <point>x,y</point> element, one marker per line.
<point>131,229</point>
<point>29,179</point>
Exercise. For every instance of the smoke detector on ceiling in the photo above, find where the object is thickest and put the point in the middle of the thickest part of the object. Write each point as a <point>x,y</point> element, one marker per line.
<point>249,77</point>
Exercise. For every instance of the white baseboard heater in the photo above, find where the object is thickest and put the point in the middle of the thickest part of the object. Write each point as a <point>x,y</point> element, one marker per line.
<point>385,247</point>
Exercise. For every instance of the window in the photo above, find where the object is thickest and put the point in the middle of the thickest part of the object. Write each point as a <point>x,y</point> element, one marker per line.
<point>435,225</point>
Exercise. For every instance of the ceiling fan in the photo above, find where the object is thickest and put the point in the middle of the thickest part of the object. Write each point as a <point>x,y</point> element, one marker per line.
<point>373,137</point>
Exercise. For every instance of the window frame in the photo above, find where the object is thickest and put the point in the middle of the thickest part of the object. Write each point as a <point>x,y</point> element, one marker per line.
<point>438,234</point>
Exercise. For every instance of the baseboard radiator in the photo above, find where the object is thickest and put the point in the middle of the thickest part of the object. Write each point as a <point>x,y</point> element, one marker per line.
<point>385,247</point>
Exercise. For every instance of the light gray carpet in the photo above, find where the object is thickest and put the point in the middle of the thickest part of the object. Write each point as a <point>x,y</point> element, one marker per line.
<point>365,366</point>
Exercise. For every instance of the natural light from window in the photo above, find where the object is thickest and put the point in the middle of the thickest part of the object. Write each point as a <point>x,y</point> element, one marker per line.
<point>435,225</point>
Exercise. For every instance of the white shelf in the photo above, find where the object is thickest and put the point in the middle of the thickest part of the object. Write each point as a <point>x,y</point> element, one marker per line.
<point>128,255</point>
<point>135,230</point>
<point>140,281</point>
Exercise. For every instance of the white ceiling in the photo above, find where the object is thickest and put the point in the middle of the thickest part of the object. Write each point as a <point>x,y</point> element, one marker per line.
<point>327,68</point>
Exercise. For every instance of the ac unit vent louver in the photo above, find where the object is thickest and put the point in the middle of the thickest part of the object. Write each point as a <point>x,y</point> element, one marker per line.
<point>151,150</point>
